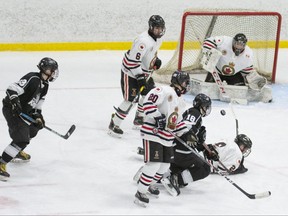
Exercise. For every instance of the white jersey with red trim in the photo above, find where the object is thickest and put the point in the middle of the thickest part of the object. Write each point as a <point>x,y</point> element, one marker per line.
<point>230,64</point>
<point>163,100</point>
<point>229,154</point>
<point>142,55</point>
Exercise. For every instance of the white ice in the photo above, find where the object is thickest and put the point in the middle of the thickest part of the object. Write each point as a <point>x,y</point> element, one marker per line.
<point>91,173</point>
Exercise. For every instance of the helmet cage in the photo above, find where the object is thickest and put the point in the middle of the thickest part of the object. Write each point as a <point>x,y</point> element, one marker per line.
<point>239,43</point>
<point>49,67</point>
<point>157,26</point>
<point>181,81</point>
<point>203,103</point>
<point>244,143</point>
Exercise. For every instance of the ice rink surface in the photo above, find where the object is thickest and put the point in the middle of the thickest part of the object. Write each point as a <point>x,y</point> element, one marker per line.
<point>91,173</point>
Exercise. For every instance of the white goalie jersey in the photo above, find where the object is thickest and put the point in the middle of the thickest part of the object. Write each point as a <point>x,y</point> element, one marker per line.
<point>229,154</point>
<point>229,64</point>
<point>142,55</point>
<point>163,100</point>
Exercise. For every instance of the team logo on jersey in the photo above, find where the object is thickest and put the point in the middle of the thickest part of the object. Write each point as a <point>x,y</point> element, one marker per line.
<point>228,70</point>
<point>172,119</point>
<point>141,47</point>
<point>22,82</point>
<point>156,156</point>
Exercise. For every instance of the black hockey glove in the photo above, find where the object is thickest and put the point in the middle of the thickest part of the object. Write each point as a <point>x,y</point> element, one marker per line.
<point>212,153</point>
<point>40,123</point>
<point>16,106</point>
<point>191,139</point>
<point>150,84</point>
<point>157,64</point>
<point>141,79</point>
<point>160,122</point>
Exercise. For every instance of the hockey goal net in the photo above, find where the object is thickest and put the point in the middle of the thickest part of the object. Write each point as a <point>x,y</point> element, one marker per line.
<point>261,28</point>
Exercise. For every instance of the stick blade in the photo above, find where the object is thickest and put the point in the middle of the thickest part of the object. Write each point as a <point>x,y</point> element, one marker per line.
<point>262,195</point>
<point>70,131</point>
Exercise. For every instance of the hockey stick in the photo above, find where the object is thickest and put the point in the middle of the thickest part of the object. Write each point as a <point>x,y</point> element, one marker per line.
<point>251,196</point>
<point>66,136</point>
<point>234,115</point>
<point>134,100</point>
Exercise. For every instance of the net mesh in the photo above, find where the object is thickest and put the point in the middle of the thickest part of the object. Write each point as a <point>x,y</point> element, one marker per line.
<point>260,28</point>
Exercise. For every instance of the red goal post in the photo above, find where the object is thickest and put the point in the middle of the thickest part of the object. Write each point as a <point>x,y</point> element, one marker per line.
<point>262,29</point>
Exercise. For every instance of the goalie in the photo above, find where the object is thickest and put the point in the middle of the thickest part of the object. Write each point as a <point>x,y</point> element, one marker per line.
<point>232,59</point>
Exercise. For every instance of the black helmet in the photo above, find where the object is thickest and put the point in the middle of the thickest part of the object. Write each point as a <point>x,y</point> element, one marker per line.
<point>156,21</point>
<point>203,103</point>
<point>49,64</point>
<point>239,43</point>
<point>242,139</point>
<point>180,80</point>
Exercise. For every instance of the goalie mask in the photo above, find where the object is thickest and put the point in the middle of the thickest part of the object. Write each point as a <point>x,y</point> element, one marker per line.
<point>156,26</point>
<point>239,43</point>
<point>180,80</point>
<point>203,103</point>
<point>244,143</point>
<point>48,69</point>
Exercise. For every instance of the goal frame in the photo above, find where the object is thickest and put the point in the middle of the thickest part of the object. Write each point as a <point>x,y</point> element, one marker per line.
<point>234,13</point>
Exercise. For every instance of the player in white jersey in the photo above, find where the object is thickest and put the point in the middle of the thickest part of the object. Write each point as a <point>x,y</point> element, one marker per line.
<point>232,155</point>
<point>137,66</point>
<point>235,65</point>
<point>189,168</point>
<point>162,106</point>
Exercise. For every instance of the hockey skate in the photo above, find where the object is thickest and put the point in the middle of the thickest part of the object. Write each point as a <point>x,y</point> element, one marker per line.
<point>141,199</point>
<point>154,191</point>
<point>138,121</point>
<point>21,157</point>
<point>140,151</point>
<point>171,184</point>
<point>4,175</point>
<point>114,130</point>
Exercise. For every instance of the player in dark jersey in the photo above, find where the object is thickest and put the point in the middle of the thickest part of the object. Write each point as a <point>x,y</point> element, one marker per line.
<point>25,96</point>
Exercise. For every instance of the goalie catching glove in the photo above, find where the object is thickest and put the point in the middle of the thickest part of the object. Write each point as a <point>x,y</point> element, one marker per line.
<point>256,81</point>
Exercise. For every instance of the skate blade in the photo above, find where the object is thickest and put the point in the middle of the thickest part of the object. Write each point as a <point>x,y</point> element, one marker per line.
<point>153,195</point>
<point>141,204</point>
<point>3,178</point>
<point>111,133</point>
<point>171,190</point>
<point>17,160</point>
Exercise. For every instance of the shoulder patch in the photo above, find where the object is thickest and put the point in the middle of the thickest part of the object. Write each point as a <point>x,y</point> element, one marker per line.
<point>141,47</point>
<point>22,82</point>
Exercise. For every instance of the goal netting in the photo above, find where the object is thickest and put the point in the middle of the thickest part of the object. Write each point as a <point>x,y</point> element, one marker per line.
<point>261,28</point>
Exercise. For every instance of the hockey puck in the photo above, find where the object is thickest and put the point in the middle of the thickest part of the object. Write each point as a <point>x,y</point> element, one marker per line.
<point>223,112</point>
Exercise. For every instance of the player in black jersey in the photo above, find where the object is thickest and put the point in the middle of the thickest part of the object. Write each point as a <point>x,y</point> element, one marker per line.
<point>25,96</point>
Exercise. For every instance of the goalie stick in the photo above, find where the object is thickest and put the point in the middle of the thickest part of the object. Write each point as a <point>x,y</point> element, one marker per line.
<point>66,136</point>
<point>250,196</point>
<point>209,60</point>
